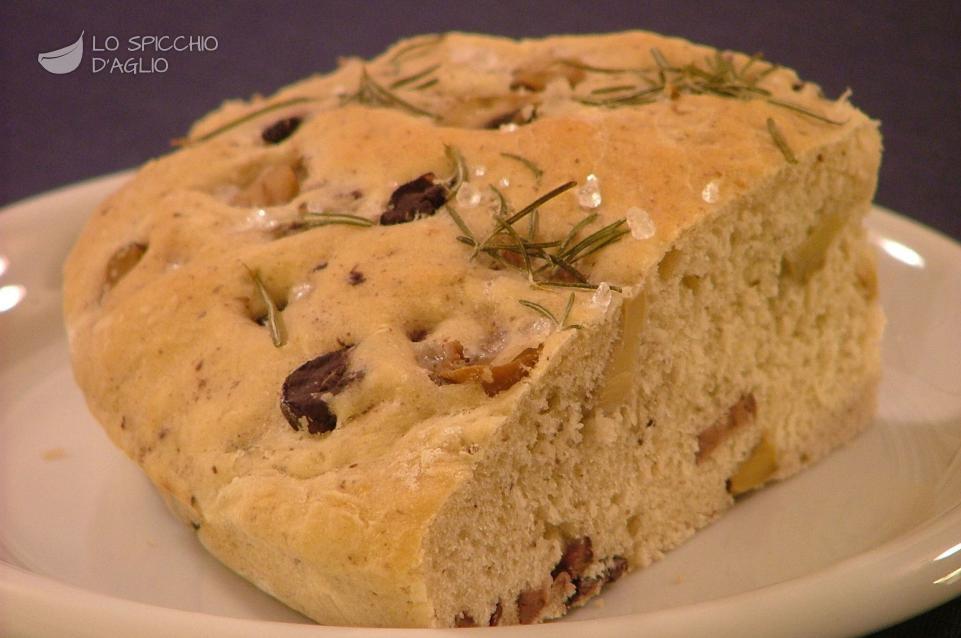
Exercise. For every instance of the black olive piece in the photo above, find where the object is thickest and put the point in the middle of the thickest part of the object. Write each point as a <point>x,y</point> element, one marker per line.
<point>280,130</point>
<point>302,398</point>
<point>417,198</point>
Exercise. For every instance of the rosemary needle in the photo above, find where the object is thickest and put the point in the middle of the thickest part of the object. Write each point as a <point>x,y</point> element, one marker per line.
<point>370,93</point>
<point>468,235</point>
<point>410,79</point>
<point>327,218</point>
<point>455,157</point>
<point>242,120</point>
<point>531,166</point>
<point>541,310</point>
<point>567,309</point>
<point>418,47</point>
<point>559,323</point>
<point>780,141</point>
<point>275,322</point>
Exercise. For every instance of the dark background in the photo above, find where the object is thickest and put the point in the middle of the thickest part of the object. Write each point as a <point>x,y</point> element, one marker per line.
<point>902,59</point>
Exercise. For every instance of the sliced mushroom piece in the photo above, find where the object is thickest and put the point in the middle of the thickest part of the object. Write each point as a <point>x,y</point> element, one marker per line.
<point>495,618</point>
<point>577,556</point>
<point>494,379</point>
<point>739,415</point>
<point>464,619</point>
<point>530,604</point>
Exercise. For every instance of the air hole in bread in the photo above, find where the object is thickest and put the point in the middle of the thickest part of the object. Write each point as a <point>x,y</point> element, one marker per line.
<point>275,184</point>
<point>808,258</point>
<point>257,309</point>
<point>490,112</point>
<point>121,262</point>
<point>416,335</point>
<point>669,264</point>
<point>691,282</point>
<point>536,76</point>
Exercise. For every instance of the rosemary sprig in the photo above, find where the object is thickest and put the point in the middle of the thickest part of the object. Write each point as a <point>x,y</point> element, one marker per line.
<point>531,166</point>
<point>504,244</point>
<point>503,222</point>
<point>370,93</point>
<point>595,241</point>
<point>780,142</point>
<point>327,218</point>
<point>716,76</point>
<point>575,229</point>
<point>557,256</point>
<point>242,120</point>
<point>410,79</point>
<point>275,322</point>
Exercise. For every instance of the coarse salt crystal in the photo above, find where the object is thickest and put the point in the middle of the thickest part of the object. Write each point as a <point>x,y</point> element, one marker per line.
<point>589,195</point>
<point>602,296</point>
<point>542,327</point>
<point>260,219</point>
<point>299,291</point>
<point>510,127</point>
<point>504,182</point>
<point>640,223</point>
<point>480,171</point>
<point>468,195</point>
<point>710,192</point>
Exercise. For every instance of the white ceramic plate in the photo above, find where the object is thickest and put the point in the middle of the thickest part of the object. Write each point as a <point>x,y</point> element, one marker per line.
<point>867,537</point>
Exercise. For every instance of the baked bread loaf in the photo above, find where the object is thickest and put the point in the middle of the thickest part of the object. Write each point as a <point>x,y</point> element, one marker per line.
<point>458,335</point>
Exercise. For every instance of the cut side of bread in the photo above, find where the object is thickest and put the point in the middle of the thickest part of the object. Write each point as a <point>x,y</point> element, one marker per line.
<point>460,335</point>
